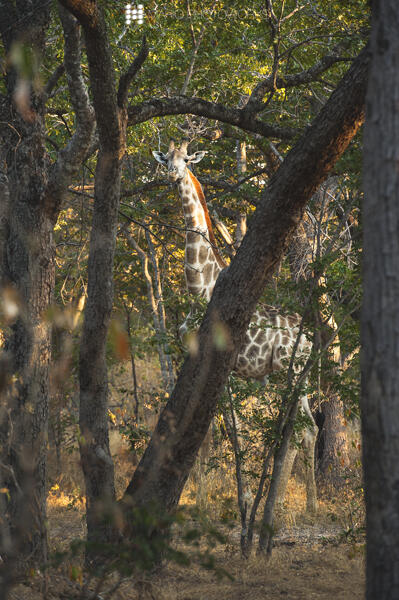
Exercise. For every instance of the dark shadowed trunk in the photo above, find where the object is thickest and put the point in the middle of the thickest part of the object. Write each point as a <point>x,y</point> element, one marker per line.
<point>163,471</point>
<point>27,276</point>
<point>31,197</point>
<point>380,315</point>
<point>333,440</point>
<point>28,272</point>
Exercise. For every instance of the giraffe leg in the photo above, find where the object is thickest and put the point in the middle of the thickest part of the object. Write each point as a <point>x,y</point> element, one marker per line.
<point>308,445</point>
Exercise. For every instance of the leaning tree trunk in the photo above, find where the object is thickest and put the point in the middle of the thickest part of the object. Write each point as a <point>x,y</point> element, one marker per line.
<point>183,424</point>
<point>380,315</point>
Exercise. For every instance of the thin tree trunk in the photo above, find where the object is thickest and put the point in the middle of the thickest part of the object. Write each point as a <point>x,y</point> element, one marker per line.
<point>380,315</point>
<point>266,530</point>
<point>158,327</point>
<point>133,364</point>
<point>168,375</point>
<point>96,458</point>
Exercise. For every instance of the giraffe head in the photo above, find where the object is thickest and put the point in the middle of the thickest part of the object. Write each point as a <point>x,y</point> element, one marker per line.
<point>177,160</point>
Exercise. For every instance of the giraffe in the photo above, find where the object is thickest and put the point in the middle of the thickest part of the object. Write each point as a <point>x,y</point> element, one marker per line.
<point>271,336</point>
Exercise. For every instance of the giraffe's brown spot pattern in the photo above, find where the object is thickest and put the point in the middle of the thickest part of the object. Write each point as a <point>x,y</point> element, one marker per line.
<point>191,275</point>
<point>203,254</point>
<point>191,237</point>
<point>260,337</point>
<point>207,273</point>
<point>191,254</point>
<point>268,344</point>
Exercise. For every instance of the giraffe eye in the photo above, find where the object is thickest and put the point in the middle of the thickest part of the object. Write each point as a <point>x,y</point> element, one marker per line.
<point>186,160</point>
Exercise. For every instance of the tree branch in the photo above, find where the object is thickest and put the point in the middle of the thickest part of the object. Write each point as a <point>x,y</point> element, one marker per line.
<point>127,78</point>
<point>70,158</point>
<point>177,105</point>
<point>196,45</point>
<point>100,64</point>
<point>285,81</point>
<point>54,77</point>
<point>85,11</point>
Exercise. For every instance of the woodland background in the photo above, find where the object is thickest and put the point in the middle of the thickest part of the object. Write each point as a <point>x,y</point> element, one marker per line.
<point>93,291</point>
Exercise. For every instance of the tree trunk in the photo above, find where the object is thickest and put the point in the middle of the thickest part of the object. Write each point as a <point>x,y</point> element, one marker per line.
<point>29,269</point>
<point>334,458</point>
<point>280,459</point>
<point>27,277</point>
<point>333,439</point>
<point>97,464</point>
<point>110,105</point>
<point>167,375</point>
<point>380,315</point>
<point>183,424</point>
<point>32,191</point>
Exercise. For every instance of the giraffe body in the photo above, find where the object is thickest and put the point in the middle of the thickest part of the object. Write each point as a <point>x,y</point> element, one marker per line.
<point>271,336</point>
<point>269,342</point>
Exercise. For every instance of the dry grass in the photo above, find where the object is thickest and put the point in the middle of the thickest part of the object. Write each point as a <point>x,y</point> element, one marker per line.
<point>301,572</point>
<point>311,559</point>
<point>318,557</point>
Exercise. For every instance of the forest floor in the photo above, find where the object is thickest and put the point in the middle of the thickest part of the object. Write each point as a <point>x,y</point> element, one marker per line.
<point>318,557</point>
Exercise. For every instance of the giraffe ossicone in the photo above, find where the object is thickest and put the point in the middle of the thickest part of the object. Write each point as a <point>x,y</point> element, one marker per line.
<point>271,336</point>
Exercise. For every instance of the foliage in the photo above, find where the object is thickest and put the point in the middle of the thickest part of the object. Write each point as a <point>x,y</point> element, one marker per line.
<point>231,48</point>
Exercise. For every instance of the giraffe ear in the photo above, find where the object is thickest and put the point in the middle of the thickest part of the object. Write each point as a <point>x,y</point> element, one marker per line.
<point>196,157</point>
<point>160,157</point>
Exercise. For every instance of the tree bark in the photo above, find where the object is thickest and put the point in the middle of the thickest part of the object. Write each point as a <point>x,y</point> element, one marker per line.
<point>29,209</point>
<point>335,456</point>
<point>96,458</point>
<point>110,107</point>
<point>380,316</point>
<point>27,273</point>
<point>183,424</point>
<point>333,439</point>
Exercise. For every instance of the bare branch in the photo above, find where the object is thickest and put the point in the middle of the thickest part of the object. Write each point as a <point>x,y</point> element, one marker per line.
<point>127,78</point>
<point>285,81</point>
<point>191,22</point>
<point>177,105</point>
<point>53,79</point>
<point>71,157</point>
<point>196,45</point>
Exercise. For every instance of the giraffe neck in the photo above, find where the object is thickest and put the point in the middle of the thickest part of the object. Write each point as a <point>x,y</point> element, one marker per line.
<point>203,262</point>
